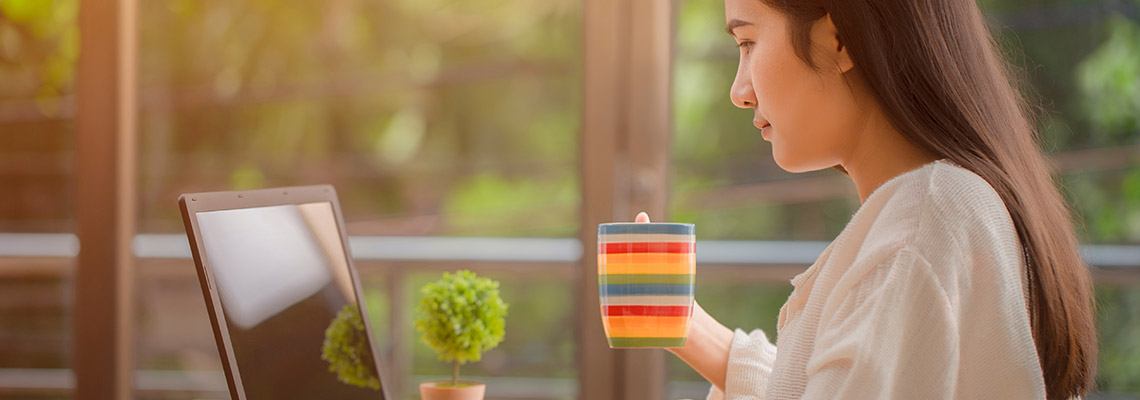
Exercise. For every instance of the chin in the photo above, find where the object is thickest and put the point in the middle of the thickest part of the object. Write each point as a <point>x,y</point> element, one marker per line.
<point>795,162</point>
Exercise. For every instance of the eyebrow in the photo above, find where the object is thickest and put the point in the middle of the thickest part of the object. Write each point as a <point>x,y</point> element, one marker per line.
<point>733,24</point>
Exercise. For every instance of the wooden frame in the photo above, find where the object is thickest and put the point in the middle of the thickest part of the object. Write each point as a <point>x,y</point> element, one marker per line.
<point>105,200</point>
<point>626,129</point>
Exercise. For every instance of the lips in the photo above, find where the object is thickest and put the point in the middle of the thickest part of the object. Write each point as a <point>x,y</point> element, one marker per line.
<point>763,126</point>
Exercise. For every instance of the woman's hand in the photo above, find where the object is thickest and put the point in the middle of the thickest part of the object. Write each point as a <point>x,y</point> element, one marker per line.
<point>708,343</point>
<point>706,349</point>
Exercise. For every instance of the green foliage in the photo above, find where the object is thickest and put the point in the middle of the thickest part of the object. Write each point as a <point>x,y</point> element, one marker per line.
<point>1108,203</point>
<point>1110,81</point>
<point>347,351</point>
<point>1118,315</point>
<point>461,316</point>
<point>39,39</point>
<point>490,205</point>
<point>402,104</point>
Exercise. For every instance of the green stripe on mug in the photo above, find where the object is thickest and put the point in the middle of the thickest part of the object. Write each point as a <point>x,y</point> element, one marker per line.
<point>625,279</point>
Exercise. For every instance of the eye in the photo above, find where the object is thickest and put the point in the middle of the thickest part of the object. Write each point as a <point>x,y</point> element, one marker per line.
<point>745,45</point>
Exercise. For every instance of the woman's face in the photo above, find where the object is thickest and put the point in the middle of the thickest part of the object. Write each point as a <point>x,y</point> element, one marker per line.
<point>809,115</point>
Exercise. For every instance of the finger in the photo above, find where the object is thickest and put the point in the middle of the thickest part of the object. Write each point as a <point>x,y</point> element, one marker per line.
<point>642,217</point>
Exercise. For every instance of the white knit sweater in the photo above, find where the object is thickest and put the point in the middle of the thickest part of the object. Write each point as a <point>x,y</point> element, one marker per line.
<point>922,296</point>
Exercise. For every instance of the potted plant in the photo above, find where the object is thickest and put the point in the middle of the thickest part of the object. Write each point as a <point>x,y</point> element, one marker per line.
<point>460,316</point>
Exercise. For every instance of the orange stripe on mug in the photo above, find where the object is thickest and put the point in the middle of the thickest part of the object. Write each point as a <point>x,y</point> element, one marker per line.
<point>641,269</point>
<point>645,326</point>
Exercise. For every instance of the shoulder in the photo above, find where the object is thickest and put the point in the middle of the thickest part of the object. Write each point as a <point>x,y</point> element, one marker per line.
<point>964,216</point>
<point>958,194</point>
<point>940,207</point>
<point>949,222</point>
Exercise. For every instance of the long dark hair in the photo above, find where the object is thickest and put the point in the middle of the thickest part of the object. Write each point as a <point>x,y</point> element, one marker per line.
<point>940,78</point>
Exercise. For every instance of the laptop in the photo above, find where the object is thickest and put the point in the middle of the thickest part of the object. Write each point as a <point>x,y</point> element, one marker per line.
<point>283,296</point>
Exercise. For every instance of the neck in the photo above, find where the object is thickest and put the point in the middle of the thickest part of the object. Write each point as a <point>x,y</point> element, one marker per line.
<point>880,154</point>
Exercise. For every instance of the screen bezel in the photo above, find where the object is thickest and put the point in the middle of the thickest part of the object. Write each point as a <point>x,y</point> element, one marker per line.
<point>193,203</point>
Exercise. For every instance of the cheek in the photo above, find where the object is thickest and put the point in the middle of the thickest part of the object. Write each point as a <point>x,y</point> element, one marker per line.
<point>807,109</point>
<point>785,86</point>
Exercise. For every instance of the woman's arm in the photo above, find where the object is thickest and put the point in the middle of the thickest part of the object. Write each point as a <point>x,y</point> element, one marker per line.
<point>707,347</point>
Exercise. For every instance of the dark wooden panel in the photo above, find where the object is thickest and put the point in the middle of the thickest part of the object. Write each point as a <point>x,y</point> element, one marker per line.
<point>624,153</point>
<point>104,200</point>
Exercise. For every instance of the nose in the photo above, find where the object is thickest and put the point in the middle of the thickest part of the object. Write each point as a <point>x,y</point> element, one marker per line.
<point>742,93</point>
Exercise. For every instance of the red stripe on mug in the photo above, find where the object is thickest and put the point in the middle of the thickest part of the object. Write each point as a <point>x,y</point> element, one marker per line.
<point>646,247</point>
<point>647,311</point>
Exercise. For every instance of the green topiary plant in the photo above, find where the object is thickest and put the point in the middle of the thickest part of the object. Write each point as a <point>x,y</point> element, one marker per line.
<point>346,350</point>
<point>461,316</point>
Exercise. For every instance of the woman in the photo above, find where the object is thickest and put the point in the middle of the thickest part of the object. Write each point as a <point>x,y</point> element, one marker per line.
<point>959,276</point>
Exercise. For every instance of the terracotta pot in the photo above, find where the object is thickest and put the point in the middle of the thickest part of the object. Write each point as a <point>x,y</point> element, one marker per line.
<point>433,391</point>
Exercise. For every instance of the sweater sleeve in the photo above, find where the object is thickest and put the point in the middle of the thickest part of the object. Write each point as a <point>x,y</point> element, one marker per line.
<point>750,359</point>
<point>893,336</point>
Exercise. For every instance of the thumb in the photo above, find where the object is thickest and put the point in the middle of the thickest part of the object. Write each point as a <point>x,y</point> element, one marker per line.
<point>642,217</point>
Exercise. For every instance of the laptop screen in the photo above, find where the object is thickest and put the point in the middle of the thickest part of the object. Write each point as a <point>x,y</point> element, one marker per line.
<point>286,290</point>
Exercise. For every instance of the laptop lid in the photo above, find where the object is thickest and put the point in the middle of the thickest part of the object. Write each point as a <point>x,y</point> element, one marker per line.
<point>282,294</point>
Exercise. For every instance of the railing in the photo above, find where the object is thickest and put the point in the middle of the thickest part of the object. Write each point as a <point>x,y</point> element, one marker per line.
<point>761,261</point>
<point>547,250</point>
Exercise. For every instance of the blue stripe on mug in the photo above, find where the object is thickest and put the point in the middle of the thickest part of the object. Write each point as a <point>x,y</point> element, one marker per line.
<point>655,228</point>
<point>641,289</point>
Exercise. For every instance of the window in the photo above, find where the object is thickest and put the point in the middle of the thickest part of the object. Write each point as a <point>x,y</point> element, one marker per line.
<point>434,120</point>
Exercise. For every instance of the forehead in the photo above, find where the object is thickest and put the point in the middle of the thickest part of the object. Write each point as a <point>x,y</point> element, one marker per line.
<point>745,10</point>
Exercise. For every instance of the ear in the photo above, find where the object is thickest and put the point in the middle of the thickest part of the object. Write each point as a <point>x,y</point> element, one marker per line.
<point>826,37</point>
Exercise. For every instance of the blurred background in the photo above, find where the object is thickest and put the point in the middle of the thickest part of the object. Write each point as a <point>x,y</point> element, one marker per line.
<point>460,124</point>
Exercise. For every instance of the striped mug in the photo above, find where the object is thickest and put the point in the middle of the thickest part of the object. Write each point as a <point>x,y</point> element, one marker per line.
<point>645,283</point>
